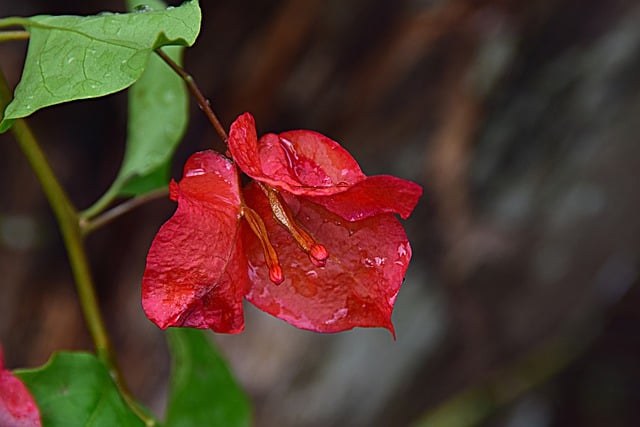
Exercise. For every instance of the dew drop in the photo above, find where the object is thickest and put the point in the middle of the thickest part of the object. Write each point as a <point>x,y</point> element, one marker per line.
<point>402,250</point>
<point>253,272</point>
<point>141,8</point>
<point>380,260</point>
<point>339,314</point>
<point>195,172</point>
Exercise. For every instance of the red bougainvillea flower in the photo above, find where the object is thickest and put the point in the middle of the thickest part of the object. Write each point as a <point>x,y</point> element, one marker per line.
<point>310,240</point>
<point>17,406</point>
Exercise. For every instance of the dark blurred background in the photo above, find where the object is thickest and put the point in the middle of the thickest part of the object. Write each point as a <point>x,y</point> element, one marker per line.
<point>521,121</point>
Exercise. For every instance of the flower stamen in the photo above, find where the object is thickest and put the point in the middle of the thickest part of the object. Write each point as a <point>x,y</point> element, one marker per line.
<point>270,255</point>
<point>318,254</point>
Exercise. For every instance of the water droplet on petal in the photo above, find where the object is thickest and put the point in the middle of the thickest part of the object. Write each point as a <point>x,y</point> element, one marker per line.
<point>402,250</point>
<point>339,314</point>
<point>253,273</point>
<point>195,172</point>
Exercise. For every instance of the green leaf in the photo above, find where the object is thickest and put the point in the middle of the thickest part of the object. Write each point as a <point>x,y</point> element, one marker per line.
<point>143,184</point>
<point>75,57</point>
<point>202,390</point>
<point>158,116</point>
<point>75,389</point>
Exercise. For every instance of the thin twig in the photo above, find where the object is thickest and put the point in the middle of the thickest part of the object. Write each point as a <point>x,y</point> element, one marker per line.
<point>121,209</point>
<point>203,102</point>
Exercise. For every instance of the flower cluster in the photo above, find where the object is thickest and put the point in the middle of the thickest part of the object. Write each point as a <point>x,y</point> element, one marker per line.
<point>310,239</point>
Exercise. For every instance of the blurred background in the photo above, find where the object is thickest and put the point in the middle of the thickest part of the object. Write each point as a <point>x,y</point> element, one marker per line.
<point>520,119</point>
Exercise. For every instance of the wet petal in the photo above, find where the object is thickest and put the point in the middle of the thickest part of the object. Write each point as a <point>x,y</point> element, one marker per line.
<point>196,271</point>
<point>372,196</point>
<point>299,161</point>
<point>17,406</point>
<point>358,284</point>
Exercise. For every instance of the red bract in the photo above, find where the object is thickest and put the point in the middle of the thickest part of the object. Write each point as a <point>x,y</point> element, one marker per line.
<point>17,406</point>
<point>196,271</point>
<point>310,240</point>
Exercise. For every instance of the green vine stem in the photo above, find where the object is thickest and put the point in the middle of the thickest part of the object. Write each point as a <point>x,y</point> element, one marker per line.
<point>68,221</point>
<point>101,204</point>
<point>87,226</point>
<point>13,35</point>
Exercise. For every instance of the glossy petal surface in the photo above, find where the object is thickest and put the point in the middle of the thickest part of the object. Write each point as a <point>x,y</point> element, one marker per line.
<point>357,286</point>
<point>17,406</point>
<point>301,162</point>
<point>196,271</point>
<point>372,196</point>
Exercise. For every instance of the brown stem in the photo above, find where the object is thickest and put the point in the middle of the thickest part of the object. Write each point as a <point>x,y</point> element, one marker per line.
<point>203,102</point>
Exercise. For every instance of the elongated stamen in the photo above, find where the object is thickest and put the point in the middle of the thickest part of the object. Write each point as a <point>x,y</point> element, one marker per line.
<point>318,254</point>
<point>270,256</point>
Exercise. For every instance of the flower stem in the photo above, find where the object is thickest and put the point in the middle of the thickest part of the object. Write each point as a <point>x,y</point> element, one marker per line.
<point>87,226</point>
<point>203,103</point>
<point>13,35</point>
<point>68,221</point>
<point>100,205</point>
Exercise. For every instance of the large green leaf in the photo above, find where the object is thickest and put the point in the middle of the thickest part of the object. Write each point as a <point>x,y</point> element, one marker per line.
<point>75,389</point>
<point>74,57</point>
<point>203,392</point>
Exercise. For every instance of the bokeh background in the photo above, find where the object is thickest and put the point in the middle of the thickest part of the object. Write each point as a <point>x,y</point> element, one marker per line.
<point>520,119</point>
